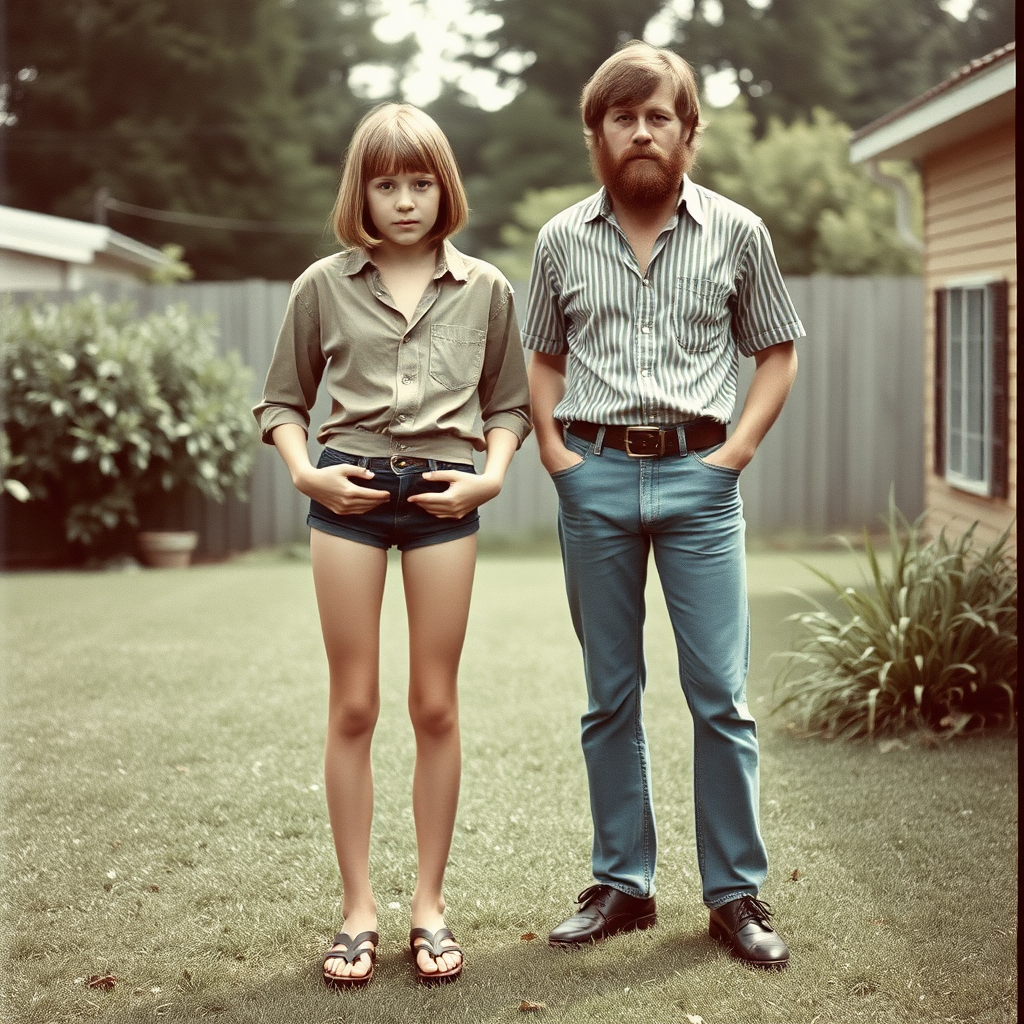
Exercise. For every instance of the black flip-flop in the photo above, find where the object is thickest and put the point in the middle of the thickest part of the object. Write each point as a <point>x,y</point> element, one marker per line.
<point>350,953</point>
<point>432,944</point>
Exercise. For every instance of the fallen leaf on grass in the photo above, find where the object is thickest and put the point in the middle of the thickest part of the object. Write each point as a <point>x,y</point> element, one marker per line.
<point>694,1018</point>
<point>181,768</point>
<point>796,876</point>
<point>878,920</point>
<point>884,746</point>
<point>527,1007</point>
<point>101,981</point>
<point>528,937</point>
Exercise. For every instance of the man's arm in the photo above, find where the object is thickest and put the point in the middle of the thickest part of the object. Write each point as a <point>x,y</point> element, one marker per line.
<point>769,388</point>
<point>547,386</point>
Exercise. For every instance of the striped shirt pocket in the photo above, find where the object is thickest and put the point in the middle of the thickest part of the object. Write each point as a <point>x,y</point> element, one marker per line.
<point>701,314</point>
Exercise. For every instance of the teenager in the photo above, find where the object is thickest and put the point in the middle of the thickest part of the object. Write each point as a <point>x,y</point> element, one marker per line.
<point>418,347</point>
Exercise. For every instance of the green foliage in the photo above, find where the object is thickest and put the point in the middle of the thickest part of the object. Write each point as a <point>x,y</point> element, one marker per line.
<point>175,269</point>
<point>531,214</point>
<point>101,408</point>
<point>857,58</point>
<point>238,110</point>
<point>825,215</point>
<point>932,645</point>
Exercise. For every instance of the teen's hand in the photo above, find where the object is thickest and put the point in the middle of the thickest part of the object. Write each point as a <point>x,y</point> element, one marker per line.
<point>466,491</point>
<point>333,486</point>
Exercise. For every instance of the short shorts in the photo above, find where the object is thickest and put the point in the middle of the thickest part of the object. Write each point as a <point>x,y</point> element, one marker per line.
<point>395,522</point>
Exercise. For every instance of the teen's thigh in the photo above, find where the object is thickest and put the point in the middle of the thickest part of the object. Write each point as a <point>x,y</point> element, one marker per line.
<point>438,582</point>
<point>349,581</point>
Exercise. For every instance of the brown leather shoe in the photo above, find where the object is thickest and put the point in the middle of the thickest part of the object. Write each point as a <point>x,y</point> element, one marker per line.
<point>604,911</point>
<point>744,926</point>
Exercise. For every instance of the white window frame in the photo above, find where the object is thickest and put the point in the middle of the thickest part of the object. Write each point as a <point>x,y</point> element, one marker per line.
<point>982,487</point>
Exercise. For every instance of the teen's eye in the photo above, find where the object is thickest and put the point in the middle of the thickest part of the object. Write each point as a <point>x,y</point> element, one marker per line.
<point>423,184</point>
<point>385,186</point>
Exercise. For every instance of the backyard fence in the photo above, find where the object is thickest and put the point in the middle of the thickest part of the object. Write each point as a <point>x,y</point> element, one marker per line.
<point>853,427</point>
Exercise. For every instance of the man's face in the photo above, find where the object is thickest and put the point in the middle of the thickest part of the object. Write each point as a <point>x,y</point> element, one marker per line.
<point>639,154</point>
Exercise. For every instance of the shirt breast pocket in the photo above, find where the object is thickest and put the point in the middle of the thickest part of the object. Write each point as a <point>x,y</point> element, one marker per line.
<point>456,356</point>
<point>701,314</point>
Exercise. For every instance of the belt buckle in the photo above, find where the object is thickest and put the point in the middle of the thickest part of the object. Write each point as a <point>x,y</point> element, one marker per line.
<point>647,433</point>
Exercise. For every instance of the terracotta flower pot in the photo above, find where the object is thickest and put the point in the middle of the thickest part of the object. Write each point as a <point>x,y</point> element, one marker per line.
<point>167,549</point>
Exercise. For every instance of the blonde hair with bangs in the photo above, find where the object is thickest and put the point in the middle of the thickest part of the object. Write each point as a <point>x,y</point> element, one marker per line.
<point>632,74</point>
<point>396,138</point>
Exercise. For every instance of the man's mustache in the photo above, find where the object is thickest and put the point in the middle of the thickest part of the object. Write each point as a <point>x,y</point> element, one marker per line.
<point>648,152</point>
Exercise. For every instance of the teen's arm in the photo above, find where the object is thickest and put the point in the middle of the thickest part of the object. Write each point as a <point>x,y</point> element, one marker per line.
<point>547,387</point>
<point>769,388</point>
<point>331,486</point>
<point>467,491</point>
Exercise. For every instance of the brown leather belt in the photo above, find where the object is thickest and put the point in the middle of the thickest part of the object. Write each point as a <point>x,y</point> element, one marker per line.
<point>652,442</point>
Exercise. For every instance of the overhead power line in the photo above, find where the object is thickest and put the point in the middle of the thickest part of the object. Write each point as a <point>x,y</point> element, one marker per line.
<point>202,220</point>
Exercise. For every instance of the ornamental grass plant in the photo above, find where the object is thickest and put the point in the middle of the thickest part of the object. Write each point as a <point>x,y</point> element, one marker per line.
<point>932,644</point>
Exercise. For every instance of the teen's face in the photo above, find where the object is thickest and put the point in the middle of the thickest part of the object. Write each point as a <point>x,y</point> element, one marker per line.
<point>404,208</point>
<point>640,154</point>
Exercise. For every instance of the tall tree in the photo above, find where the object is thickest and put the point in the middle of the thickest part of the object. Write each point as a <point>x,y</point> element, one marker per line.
<point>190,106</point>
<point>857,58</point>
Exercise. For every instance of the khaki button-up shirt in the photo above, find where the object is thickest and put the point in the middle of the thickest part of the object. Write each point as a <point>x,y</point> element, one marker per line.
<point>431,387</point>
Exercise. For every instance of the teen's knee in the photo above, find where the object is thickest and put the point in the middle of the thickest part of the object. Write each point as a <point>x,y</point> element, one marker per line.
<point>433,715</point>
<point>354,717</point>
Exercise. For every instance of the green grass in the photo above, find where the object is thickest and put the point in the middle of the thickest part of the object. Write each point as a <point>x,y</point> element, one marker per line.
<point>165,822</point>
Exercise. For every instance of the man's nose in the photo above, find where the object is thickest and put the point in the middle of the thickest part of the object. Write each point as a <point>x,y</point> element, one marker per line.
<point>642,133</point>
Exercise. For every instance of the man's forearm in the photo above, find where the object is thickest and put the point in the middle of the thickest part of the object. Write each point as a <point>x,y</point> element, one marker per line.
<point>769,388</point>
<point>547,387</point>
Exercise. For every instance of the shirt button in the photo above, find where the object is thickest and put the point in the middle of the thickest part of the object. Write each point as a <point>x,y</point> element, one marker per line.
<point>401,419</point>
<point>645,330</point>
<point>645,373</point>
<point>647,284</point>
<point>401,447</point>
<point>407,380</point>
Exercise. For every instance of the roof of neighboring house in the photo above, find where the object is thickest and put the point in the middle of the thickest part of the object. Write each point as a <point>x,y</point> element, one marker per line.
<point>71,241</point>
<point>977,95</point>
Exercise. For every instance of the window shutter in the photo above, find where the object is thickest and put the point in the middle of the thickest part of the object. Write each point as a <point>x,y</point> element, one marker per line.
<point>998,303</point>
<point>939,411</point>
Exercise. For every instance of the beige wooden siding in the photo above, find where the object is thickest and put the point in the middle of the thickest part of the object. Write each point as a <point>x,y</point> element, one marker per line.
<point>970,230</point>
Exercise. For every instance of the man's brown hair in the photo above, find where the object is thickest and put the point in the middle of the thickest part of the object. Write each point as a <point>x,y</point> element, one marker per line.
<point>396,138</point>
<point>629,76</point>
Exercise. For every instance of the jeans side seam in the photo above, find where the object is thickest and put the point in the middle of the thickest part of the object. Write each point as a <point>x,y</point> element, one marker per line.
<point>642,751</point>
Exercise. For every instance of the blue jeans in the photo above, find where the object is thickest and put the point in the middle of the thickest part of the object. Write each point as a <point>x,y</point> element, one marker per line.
<point>612,510</point>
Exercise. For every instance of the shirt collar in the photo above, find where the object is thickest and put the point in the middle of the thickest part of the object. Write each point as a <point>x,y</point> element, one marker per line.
<point>600,204</point>
<point>449,261</point>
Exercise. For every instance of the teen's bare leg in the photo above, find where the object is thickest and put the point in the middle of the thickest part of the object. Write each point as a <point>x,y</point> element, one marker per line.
<point>438,585</point>
<point>349,581</point>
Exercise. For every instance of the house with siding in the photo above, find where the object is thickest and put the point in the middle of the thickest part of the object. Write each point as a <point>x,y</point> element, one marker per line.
<point>961,136</point>
<point>39,252</point>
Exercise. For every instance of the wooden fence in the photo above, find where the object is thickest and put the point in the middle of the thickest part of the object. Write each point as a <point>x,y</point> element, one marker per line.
<point>851,430</point>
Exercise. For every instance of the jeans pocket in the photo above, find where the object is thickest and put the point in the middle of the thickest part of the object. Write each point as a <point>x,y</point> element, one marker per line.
<point>456,355</point>
<point>584,449</point>
<point>727,471</point>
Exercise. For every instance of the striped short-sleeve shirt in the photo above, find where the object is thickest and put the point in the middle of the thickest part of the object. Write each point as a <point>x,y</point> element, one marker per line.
<point>661,347</point>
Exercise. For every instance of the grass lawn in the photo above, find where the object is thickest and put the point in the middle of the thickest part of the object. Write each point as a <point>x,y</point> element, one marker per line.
<point>165,822</point>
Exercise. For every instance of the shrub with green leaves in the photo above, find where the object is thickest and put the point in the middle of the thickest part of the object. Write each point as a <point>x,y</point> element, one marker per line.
<point>933,644</point>
<point>102,408</point>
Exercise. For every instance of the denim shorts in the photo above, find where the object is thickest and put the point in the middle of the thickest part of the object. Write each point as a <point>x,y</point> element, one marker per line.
<point>395,522</point>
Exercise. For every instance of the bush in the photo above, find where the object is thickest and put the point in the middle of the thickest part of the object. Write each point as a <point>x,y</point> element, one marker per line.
<point>933,645</point>
<point>102,409</point>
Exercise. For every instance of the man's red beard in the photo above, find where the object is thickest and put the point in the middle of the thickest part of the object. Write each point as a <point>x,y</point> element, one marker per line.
<point>643,175</point>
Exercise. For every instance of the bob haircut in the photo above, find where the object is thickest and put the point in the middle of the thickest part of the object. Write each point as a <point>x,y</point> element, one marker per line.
<point>632,74</point>
<point>396,138</point>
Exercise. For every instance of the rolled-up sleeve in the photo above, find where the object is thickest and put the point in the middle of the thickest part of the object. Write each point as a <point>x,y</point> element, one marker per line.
<point>295,368</point>
<point>504,390</point>
<point>544,326</point>
<point>764,313</point>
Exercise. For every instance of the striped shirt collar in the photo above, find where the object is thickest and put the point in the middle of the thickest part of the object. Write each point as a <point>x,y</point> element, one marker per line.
<point>449,261</point>
<point>600,204</point>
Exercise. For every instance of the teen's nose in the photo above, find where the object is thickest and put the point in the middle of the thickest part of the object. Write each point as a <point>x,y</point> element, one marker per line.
<point>405,200</point>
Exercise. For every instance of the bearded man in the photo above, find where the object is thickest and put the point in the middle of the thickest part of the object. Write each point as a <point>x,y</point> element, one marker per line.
<point>642,298</point>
